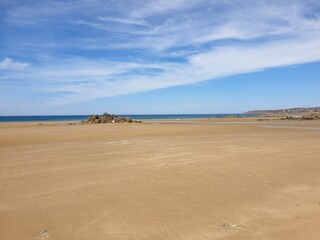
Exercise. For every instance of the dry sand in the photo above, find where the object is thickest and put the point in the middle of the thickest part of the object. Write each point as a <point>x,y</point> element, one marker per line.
<point>160,181</point>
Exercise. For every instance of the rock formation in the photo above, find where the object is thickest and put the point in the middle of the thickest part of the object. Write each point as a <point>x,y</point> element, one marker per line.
<point>310,117</point>
<point>108,118</point>
<point>294,117</point>
<point>303,117</point>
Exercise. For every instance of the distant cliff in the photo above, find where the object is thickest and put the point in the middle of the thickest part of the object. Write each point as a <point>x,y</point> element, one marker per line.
<point>289,111</point>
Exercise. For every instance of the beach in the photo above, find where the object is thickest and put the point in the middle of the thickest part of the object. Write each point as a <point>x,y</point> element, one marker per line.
<point>202,179</point>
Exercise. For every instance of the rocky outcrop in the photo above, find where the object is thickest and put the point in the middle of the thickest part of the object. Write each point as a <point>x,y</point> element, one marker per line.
<point>290,118</point>
<point>108,118</point>
<point>301,118</point>
<point>304,117</point>
<point>310,117</point>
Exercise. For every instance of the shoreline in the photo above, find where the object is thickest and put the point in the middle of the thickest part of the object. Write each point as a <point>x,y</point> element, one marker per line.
<point>143,117</point>
<point>250,119</point>
<point>180,118</point>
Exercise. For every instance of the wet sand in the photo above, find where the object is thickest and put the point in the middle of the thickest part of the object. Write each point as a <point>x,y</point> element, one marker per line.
<point>175,180</point>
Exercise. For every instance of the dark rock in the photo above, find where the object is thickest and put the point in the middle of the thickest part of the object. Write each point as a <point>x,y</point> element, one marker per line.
<point>43,232</point>
<point>107,118</point>
<point>303,117</point>
<point>310,117</point>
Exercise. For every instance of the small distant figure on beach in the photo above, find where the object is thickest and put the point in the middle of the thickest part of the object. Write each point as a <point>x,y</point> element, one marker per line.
<point>178,119</point>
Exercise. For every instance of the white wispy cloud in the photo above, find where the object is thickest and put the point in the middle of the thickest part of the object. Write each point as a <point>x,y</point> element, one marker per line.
<point>123,20</point>
<point>162,6</point>
<point>9,64</point>
<point>193,28</point>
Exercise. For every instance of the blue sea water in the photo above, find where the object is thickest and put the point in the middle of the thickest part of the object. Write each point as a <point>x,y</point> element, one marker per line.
<point>48,118</point>
<point>136,117</point>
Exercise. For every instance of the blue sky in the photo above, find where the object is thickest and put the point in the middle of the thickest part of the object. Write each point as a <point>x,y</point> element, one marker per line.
<point>158,56</point>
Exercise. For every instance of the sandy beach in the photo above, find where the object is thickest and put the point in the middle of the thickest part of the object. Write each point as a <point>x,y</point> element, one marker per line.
<point>160,180</point>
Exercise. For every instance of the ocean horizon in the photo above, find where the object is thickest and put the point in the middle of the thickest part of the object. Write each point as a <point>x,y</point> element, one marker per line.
<point>52,118</point>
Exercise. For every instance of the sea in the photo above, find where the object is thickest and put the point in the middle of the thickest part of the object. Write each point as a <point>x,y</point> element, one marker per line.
<point>50,118</point>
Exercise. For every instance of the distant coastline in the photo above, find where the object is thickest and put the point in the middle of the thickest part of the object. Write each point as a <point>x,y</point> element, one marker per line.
<point>288,111</point>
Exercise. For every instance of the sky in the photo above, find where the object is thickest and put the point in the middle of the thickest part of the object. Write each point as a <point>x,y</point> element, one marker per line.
<point>158,56</point>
